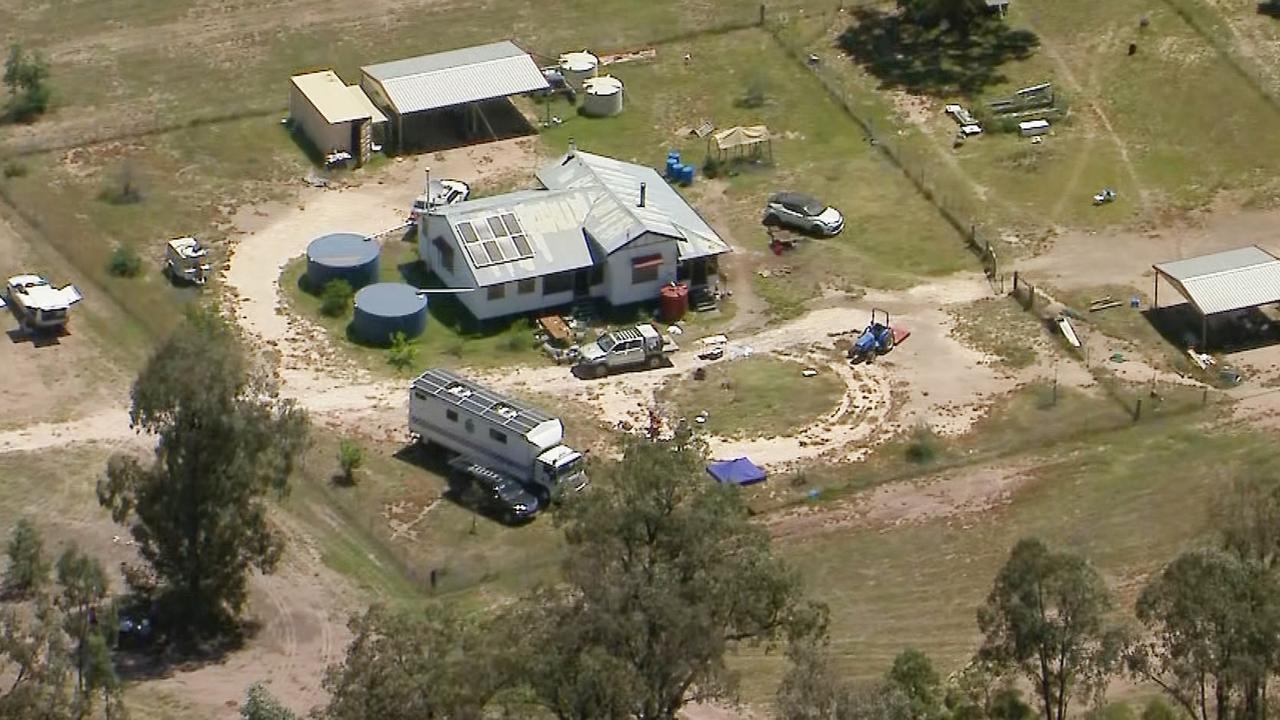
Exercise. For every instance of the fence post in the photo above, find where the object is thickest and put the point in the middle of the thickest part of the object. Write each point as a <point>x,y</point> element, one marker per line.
<point>761,21</point>
<point>1015,282</point>
<point>1137,410</point>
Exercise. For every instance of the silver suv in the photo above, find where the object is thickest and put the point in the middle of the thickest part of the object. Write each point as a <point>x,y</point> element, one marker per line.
<point>803,212</point>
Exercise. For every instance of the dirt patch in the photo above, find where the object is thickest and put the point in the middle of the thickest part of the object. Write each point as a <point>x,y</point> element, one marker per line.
<point>947,495</point>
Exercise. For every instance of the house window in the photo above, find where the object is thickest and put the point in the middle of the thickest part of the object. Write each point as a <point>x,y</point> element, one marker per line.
<point>446,253</point>
<point>452,415</point>
<point>497,292</point>
<point>499,436</point>
<point>558,283</point>
<point>644,269</point>
<point>527,286</point>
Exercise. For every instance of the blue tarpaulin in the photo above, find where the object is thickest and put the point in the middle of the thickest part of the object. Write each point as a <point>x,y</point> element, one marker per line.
<point>740,471</point>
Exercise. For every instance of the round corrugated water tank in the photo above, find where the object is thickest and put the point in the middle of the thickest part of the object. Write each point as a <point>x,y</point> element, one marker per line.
<point>342,256</point>
<point>603,96</point>
<point>384,309</point>
<point>577,67</point>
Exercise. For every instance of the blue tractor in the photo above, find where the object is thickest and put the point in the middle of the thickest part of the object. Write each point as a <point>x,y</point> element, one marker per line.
<point>878,339</point>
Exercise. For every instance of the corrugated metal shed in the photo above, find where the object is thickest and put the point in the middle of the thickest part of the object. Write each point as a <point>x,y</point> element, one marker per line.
<point>335,101</point>
<point>551,221</point>
<point>1225,281</point>
<point>456,77</point>
<point>616,217</point>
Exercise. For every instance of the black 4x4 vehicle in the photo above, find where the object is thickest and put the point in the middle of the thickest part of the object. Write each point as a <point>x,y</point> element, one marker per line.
<point>498,493</point>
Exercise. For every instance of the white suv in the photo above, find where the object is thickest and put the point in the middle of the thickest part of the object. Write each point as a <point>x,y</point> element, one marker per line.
<point>804,213</point>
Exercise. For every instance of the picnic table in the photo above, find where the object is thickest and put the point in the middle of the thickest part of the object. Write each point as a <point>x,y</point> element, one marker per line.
<point>557,329</point>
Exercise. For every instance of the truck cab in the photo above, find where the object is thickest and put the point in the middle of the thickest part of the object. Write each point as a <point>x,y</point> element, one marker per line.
<point>561,467</point>
<point>641,345</point>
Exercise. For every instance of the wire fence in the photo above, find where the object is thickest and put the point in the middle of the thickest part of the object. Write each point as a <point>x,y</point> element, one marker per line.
<point>932,177</point>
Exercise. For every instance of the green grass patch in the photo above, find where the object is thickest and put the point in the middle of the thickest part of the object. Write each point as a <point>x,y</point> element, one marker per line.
<point>757,396</point>
<point>999,327</point>
<point>1128,500</point>
<point>451,337</point>
<point>892,237</point>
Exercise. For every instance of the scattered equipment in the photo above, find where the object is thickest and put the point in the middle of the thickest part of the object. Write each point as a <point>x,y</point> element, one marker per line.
<point>438,193</point>
<point>877,339</point>
<point>492,436</point>
<point>38,304</point>
<point>639,346</point>
<point>1107,195</point>
<point>1068,331</point>
<point>186,260</point>
<point>1032,128</point>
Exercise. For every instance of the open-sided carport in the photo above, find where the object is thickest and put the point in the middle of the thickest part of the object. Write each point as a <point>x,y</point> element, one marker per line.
<point>1222,282</point>
<point>418,92</point>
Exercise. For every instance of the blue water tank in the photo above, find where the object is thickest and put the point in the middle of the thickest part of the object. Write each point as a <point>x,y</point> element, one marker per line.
<point>384,309</point>
<point>343,255</point>
<point>686,174</point>
<point>673,165</point>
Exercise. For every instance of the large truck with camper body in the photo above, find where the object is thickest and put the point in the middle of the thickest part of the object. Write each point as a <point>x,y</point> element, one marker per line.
<point>491,435</point>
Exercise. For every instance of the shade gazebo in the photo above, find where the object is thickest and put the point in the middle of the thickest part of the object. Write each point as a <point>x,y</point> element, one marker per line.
<point>742,141</point>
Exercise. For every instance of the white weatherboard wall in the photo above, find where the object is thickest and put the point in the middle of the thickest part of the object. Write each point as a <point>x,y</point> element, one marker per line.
<point>619,290</point>
<point>327,137</point>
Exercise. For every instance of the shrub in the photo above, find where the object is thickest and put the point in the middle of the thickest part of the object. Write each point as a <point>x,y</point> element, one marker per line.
<point>14,168</point>
<point>123,188</point>
<point>923,446</point>
<point>350,459</point>
<point>124,262</point>
<point>402,354</point>
<point>26,75</point>
<point>336,298</point>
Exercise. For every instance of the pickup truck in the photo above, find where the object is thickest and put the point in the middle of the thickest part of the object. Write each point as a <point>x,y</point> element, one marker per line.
<point>639,346</point>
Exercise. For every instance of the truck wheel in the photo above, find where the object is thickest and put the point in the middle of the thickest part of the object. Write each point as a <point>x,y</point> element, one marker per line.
<point>653,362</point>
<point>871,356</point>
<point>599,371</point>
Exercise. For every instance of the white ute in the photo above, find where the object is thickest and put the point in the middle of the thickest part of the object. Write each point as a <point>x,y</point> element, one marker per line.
<point>38,304</point>
<point>639,346</point>
<point>493,434</point>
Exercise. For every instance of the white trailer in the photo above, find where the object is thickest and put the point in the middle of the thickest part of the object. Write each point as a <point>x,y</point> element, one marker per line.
<point>38,304</point>
<point>493,432</point>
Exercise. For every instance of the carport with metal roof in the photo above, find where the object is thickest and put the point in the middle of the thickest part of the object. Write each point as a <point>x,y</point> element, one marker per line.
<point>461,82</point>
<point>1222,282</point>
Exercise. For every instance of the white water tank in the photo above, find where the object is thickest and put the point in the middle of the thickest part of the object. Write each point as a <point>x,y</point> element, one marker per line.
<point>577,67</point>
<point>603,96</point>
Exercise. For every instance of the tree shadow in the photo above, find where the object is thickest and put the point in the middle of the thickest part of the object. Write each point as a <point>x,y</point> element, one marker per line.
<point>1270,8</point>
<point>933,61</point>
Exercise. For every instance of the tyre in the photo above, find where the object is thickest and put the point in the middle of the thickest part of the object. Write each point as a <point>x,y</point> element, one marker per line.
<point>653,362</point>
<point>599,371</point>
<point>772,220</point>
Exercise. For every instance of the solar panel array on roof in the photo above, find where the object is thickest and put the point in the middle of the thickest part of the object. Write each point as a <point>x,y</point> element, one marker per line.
<point>480,401</point>
<point>494,239</point>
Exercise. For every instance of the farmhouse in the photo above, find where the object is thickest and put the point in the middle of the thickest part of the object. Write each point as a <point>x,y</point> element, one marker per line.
<point>598,228</point>
<point>335,117</point>
<point>459,93</point>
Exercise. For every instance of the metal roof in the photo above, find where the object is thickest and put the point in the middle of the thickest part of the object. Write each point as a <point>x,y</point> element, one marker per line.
<point>478,400</point>
<point>616,216</point>
<point>1231,280</point>
<point>456,77</point>
<point>337,102</point>
<point>552,223</point>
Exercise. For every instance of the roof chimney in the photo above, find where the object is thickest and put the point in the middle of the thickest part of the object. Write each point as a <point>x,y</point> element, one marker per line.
<point>427,191</point>
<point>643,191</point>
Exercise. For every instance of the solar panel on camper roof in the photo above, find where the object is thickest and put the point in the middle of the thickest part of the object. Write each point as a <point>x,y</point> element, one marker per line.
<point>522,246</point>
<point>478,256</point>
<point>495,254</point>
<point>495,407</point>
<point>468,233</point>
<point>513,225</point>
<point>482,229</point>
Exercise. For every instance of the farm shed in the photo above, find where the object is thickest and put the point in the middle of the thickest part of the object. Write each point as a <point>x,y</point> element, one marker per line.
<point>460,93</point>
<point>1222,283</point>
<point>598,228</point>
<point>335,117</point>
